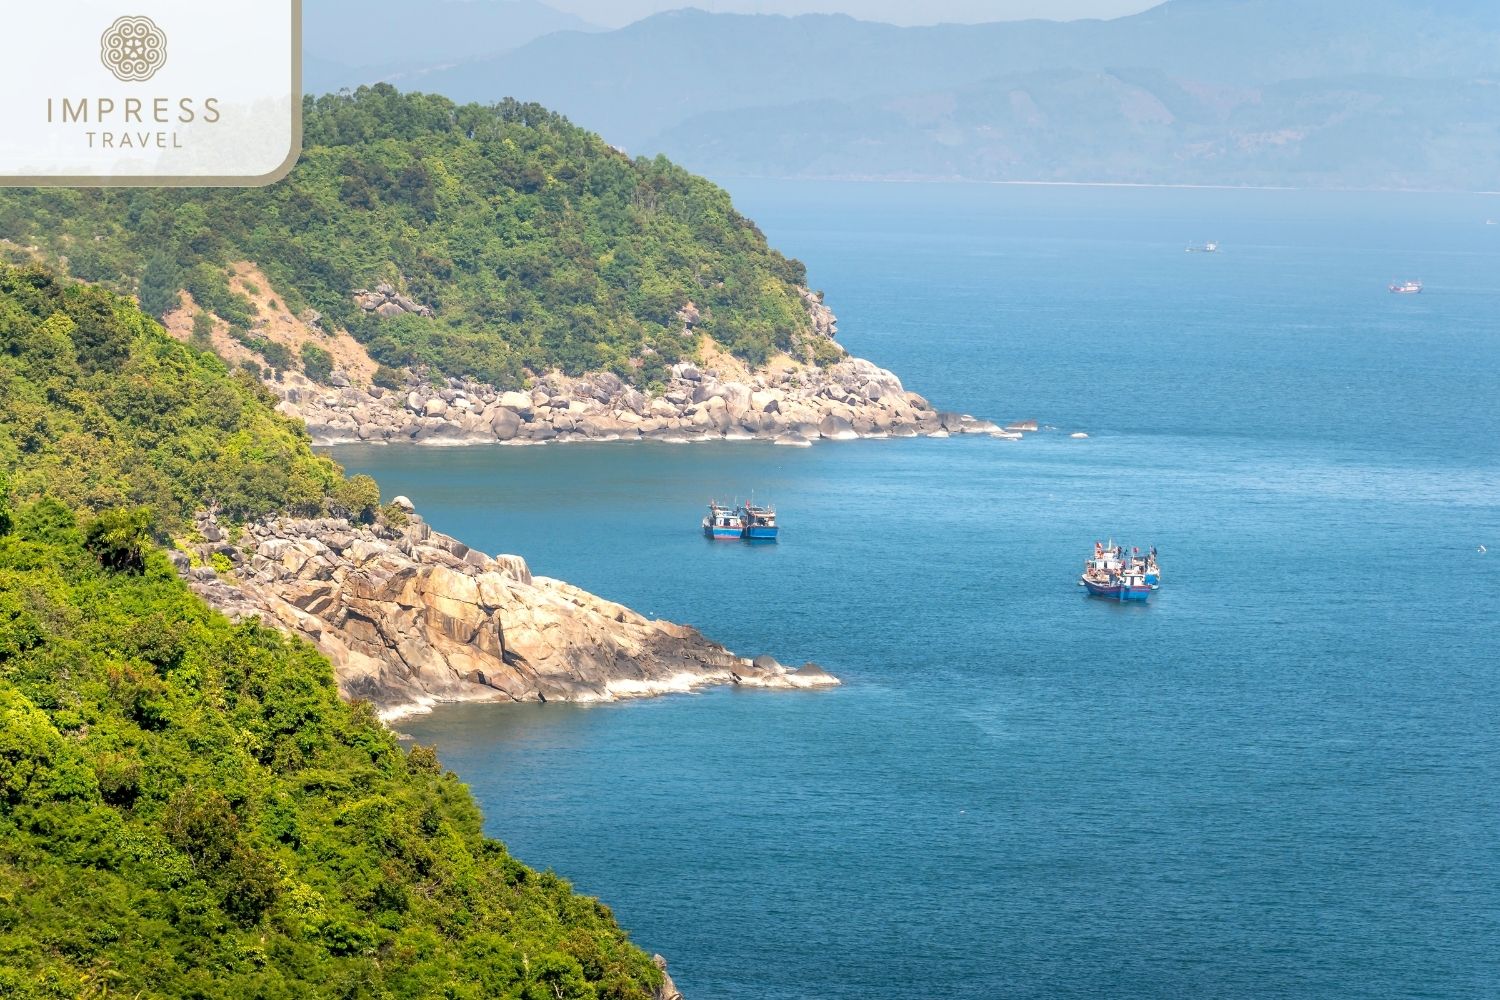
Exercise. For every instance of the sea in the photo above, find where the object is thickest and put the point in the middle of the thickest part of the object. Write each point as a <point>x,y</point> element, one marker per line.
<point>1279,778</point>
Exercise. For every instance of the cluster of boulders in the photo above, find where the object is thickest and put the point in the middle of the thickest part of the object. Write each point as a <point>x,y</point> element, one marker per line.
<point>410,616</point>
<point>385,301</point>
<point>797,405</point>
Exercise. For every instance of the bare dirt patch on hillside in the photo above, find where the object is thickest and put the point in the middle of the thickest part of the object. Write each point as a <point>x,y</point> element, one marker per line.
<point>275,323</point>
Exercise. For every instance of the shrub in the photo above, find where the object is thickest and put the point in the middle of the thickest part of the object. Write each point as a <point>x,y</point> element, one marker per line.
<point>160,284</point>
<point>203,331</point>
<point>317,363</point>
<point>356,498</point>
<point>388,378</point>
<point>278,356</point>
<point>119,538</point>
<point>826,352</point>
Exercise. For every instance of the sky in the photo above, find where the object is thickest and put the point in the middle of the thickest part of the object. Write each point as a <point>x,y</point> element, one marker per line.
<point>614,13</point>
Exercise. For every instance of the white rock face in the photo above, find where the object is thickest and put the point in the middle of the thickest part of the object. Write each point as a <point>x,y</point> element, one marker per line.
<point>410,617</point>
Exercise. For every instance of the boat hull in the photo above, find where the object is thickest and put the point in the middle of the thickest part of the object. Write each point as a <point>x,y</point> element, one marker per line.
<point>721,534</point>
<point>759,533</point>
<point>1117,591</point>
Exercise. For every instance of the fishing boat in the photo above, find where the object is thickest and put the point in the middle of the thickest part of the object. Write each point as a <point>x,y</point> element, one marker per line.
<point>1204,248</point>
<point>722,523</point>
<point>1406,288</point>
<point>1113,575</point>
<point>1152,571</point>
<point>759,522</point>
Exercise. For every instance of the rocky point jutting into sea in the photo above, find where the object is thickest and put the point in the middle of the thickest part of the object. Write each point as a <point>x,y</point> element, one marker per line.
<point>410,617</point>
<point>718,397</point>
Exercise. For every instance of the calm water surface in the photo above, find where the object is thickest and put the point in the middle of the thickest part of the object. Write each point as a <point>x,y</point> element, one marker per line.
<point>1282,778</point>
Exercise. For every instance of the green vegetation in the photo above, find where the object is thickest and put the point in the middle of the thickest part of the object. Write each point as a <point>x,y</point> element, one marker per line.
<point>104,410</point>
<point>387,377</point>
<point>536,245</point>
<point>316,362</point>
<point>187,809</point>
<point>203,332</point>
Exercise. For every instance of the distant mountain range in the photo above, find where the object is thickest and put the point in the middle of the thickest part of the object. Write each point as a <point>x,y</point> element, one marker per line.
<point>349,42</point>
<point>1374,93</point>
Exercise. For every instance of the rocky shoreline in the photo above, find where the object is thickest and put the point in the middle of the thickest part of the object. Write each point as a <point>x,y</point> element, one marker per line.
<point>788,400</point>
<point>411,618</point>
<point>792,405</point>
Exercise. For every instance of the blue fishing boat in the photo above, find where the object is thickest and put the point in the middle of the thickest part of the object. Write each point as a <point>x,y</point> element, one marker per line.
<point>1113,575</point>
<point>759,522</point>
<point>722,524</point>
<point>1120,589</point>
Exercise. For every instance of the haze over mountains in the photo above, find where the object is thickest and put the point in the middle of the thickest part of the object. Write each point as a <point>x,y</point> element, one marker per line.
<point>349,42</point>
<point>1335,93</point>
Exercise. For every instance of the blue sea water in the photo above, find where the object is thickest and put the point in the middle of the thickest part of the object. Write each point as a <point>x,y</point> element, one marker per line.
<point>1279,779</point>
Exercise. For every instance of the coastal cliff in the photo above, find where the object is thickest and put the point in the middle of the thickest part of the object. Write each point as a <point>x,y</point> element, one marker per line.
<point>411,617</point>
<point>788,401</point>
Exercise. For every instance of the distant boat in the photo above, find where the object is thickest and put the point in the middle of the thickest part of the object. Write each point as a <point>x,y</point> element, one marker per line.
<point>1491,222</point>
<point>759,522</point>
<point>722,524</point>
<point>1114,575</point>
<point>1204,248</point>
<point>1406,288</point>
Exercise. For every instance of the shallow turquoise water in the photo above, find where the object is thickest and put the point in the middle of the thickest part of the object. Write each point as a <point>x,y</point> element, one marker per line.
<point>1281,778</point>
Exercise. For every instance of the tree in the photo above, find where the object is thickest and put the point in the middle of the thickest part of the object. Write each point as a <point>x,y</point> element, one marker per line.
<point>160,284</point>
<point>119,539</point>
<point>317,363</point>
<point>356,498</point>
<point>278,356</point>
<point>203,332</point>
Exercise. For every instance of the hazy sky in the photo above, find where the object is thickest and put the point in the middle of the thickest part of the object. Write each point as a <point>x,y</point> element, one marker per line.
<point>613,13</point>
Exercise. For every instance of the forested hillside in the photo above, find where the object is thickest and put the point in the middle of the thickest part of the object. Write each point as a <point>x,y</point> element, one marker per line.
<point>186,807</point>
<point>524,244</point>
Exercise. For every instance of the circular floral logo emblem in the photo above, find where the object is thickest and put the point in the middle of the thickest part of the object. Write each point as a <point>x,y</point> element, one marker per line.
<point>133,49</point>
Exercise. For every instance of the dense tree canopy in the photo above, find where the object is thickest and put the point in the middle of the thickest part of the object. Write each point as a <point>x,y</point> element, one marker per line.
<point>187,809</point>
<point>536,244</point>
<point>103,409</point>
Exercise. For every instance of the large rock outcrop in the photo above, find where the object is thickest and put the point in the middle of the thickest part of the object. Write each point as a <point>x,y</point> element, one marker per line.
<point>787,401</point>
<point>410,617</point>
<point>796,405</point>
